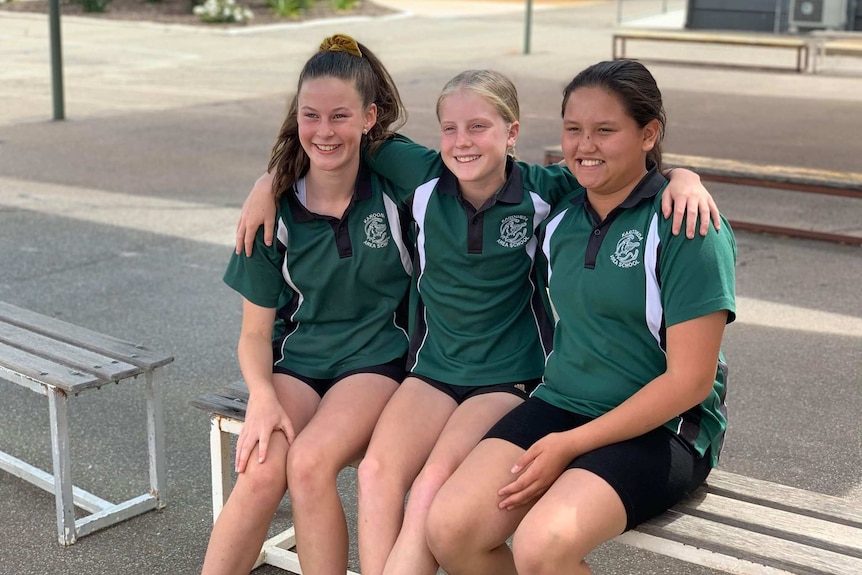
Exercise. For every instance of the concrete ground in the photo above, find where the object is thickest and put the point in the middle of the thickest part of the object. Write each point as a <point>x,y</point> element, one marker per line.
<point>121,218</point>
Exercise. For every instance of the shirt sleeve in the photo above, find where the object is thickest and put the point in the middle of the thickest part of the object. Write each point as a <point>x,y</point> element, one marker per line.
<point>405,163</point>
<point>552,183</point>
<point>697,276</point>
<point>258,277</point>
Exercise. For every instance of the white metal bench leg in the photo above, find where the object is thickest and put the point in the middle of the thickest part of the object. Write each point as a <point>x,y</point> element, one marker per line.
<point>156,437</point>
<point>220,461</point>
<point>58,412</point>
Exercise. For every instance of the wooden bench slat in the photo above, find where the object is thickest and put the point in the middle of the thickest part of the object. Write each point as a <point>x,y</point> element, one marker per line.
<point>45,371</point>
<point>713,38</point>
<point>704,166</point>
<point>131,353</point>
<point>779,496</point>
<point>215,403</point>
<point>778,522</point>
<point>755,547</point>
<point>65,354</point>
<point>842,48</point>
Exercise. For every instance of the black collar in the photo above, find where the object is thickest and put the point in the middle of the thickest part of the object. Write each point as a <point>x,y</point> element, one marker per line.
<point>361,191</point>
<point>512,191</point>
<point>648,187</point>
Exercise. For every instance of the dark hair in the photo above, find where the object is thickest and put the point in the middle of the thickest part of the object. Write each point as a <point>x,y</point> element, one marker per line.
<point>636,89</point>
<point>491,85</point>
<point>358,64</point>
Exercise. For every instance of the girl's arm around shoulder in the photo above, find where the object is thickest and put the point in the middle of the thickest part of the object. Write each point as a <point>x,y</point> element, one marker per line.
<point>405,163</point>
<point>258,209</point>
<point>686,199</point>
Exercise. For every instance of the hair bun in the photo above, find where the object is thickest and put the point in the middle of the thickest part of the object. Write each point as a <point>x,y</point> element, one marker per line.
<point>341,43</point>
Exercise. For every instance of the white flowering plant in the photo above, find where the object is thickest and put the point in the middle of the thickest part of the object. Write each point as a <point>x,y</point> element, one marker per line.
<point>221,11</point>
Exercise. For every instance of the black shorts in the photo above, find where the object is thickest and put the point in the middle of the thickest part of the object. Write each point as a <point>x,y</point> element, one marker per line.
<point>394,369</point>
<point>461,393</point>
<point>650,473</point>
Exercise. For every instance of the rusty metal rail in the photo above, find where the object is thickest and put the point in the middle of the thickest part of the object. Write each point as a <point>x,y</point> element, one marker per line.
<point>842,184</point>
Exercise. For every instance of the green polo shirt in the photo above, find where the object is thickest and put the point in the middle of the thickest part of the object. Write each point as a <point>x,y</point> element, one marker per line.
<point>476,315</point>
<point>338,285</point>
<point>616,286</point>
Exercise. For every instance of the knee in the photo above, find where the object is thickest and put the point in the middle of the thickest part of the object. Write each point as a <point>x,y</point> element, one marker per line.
<point>264,481</point>
<point>379,477</point>
<point>309,470</point>
<point>546,548</point>
<point>450,530</point>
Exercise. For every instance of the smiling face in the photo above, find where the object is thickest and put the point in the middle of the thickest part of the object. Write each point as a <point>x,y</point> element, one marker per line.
<point>474,139</point>
<point>603,145</point>
<point>331,120</point>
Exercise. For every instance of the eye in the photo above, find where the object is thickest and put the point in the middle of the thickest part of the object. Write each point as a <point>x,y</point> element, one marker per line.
<point>339,116</point>
<point>573,129</point>
<point>477,127</point>
<point>448,129</point>
<point>310,115</point>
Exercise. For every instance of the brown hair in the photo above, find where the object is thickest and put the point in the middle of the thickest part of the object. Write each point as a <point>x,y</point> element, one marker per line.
<point>636,89</point>
<point>341,57</point>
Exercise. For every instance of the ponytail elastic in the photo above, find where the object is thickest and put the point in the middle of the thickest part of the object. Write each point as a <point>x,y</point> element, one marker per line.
<point>341,43</point>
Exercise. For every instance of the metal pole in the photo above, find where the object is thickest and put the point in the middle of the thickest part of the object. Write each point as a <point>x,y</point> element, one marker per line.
<point>528,25</point>
<point>776,27</point>
<point>56,59</point>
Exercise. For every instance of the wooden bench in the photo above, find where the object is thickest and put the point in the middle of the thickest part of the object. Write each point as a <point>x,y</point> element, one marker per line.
<point>834,43</point>
<point>800,45</point>
<point>733,523</point>
<point>60,361</point>
<point>844,184</point>
<point>227,414</point>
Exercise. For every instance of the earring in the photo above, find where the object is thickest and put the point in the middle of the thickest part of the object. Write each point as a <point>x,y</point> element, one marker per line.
<point>365,131</point>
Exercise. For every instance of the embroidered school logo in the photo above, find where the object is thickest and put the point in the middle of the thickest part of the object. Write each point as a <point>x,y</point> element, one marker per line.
<point>375,231</point>
<point>513,231</point>
<point>628,249</point>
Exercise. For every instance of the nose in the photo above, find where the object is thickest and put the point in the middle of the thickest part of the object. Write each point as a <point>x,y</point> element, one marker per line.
<point>324,128</point>
<point>586,142</point>
<point>462,139</point>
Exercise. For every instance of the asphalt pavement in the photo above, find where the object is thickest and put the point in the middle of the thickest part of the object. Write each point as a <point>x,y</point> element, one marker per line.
<point>121,218</point>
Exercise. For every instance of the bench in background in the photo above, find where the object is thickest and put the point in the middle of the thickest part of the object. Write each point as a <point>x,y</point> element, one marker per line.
<point>60,360</point>
<point>733,523</point>
<point>844,184</point>
<point>800,45</point>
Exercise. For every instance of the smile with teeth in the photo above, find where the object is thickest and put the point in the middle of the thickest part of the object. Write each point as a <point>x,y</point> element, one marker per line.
<point>589,163</point>
<point>324,148</point>
<point>465,159</point>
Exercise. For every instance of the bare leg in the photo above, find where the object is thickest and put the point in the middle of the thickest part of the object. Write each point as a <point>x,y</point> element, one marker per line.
<point>577,514</point>
<point>336,436</point>
<point>402,441</point>
<point>241,528</point>
<point>472,419</point>
<point>466,531</point>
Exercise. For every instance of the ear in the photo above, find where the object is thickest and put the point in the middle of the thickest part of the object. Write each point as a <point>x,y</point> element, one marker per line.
<point>651,133</point>
<point>370,117</point>
<point>514,130</point>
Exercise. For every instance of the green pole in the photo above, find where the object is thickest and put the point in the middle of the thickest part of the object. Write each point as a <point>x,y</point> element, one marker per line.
<point>527,26</point>
<point>56,59</point>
